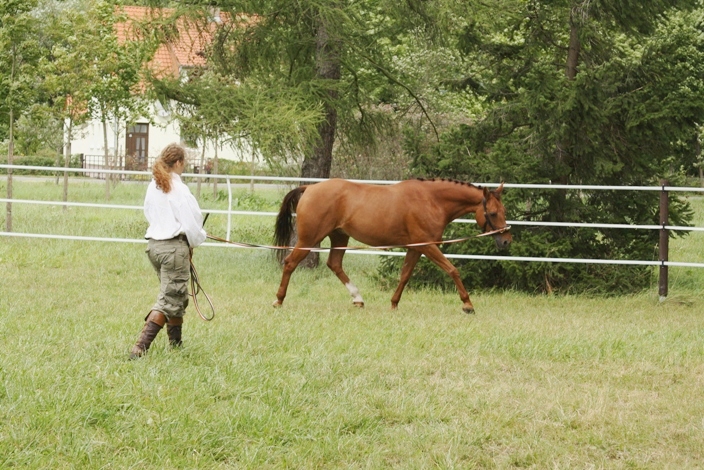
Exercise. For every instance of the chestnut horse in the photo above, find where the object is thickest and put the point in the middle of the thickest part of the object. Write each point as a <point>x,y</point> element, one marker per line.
<point>406,213</point>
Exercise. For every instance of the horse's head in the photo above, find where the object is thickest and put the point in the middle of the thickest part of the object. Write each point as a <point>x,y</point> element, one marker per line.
<point>491,217</point>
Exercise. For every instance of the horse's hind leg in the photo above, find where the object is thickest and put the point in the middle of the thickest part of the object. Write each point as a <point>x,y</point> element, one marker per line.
<point>409,262</point>
<point>340,239</point>
<point>290,264</point>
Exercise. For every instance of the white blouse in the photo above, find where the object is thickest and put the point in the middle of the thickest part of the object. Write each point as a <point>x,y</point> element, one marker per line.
<point>170,214</point>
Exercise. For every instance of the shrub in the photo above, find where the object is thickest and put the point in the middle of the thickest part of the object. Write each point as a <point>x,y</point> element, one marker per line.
<point>30,161</point>
<point>231,167</point>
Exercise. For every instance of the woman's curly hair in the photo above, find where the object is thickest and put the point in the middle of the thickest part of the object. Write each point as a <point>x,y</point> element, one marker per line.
<point>163,166</point>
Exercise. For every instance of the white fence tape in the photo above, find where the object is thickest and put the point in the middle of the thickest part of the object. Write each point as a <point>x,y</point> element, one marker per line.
<point>289,179</point>
<point>278,179</point>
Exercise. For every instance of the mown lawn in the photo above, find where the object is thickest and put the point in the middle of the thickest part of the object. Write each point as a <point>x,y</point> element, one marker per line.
<point>527,382</point>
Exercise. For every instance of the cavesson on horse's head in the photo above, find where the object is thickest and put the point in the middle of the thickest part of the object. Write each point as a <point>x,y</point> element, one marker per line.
<point>492,217</point>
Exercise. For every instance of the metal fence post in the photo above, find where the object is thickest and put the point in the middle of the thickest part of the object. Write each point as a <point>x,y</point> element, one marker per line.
<point>664,240</point>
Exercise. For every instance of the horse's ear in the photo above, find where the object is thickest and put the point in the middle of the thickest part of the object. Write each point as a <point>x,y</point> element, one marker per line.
<point>499,190</point>
<point>486,192</point>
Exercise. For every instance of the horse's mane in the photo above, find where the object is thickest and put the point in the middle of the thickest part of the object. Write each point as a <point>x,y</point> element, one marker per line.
<point>449,180</point>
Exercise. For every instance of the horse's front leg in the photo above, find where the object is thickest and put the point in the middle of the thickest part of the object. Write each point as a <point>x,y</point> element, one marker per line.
<point>339,240</point>
<point>435,255</point>
<point>290,264</point>
<point>409,262</point>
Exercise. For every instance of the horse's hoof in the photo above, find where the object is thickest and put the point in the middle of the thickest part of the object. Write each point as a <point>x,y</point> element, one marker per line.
<point>276,304</point>
<point>468,310</point>
<point>358,304</point>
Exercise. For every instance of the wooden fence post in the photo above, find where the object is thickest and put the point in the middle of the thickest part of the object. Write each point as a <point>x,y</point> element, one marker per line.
<point>664,240</point>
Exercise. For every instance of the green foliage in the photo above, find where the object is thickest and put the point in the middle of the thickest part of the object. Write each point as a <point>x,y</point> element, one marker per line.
<point>242,200</point>
<point>230,167</point>
<point>250,202</point>
<point>268,111</point>
<point>265,80</point>
<point>38,132</point>
<point>37,160</point>
<point>74,43</point>
<point>114,90</point>
<point>30,161</point>
<point>19,55</point>
<point>479,91</point>
<point>629,116</point>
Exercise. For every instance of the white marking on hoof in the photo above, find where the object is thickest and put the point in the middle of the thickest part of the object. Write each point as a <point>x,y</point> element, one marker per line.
<point>354,292</point>
<point>276,304</point>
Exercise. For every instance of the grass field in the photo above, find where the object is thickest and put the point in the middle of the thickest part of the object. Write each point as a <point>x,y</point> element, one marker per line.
<point>527,382</point>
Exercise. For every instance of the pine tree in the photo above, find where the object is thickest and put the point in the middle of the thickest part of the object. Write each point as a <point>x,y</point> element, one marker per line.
<point>578,93</point>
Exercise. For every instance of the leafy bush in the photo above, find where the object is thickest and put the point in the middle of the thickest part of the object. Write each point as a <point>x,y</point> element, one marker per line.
<point>243,200</point>
<point>38,160</point>
<point>231,167</point>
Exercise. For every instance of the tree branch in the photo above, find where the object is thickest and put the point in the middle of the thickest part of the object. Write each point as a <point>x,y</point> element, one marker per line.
<point>388,75</point>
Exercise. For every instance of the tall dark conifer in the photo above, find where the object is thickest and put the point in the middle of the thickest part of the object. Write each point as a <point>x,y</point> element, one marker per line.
<point>579,92</point>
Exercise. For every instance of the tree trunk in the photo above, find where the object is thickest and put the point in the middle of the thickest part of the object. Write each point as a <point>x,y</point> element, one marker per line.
<point>116,161</point>
<point>327,63</point>
<point>251,172</point>
<point>10,149</point>
<point>107,158</point>
<point>10,155</point>
<point>67,158</point>
<point>215,170</point>
<point>574,48</point>
<point>698,152</point>
<point>57,162</point>
<point>558,201</point>
<point>200,169</point>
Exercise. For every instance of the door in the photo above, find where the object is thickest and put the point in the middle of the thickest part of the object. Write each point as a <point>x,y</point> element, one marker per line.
<point>136,146</point>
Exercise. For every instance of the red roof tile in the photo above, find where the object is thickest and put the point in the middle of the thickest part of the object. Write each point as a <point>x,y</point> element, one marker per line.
<point>182,51</point>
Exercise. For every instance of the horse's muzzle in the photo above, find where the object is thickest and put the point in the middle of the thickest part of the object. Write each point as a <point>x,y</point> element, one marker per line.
<point>503,240</point>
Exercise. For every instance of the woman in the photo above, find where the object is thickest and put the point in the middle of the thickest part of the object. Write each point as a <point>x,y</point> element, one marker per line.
<point>175,228</point>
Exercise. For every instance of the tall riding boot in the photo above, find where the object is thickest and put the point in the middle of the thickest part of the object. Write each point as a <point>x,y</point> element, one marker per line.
<point>154,322</point>
<point>173,329</point>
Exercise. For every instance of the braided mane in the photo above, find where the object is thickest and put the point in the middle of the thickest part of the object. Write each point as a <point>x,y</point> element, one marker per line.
<point>449,180</point>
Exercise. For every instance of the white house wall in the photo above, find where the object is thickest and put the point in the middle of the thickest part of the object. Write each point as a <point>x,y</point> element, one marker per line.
<point>88,140</point>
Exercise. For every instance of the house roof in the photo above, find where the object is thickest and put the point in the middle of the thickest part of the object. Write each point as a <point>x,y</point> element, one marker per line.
<point>185,49</point>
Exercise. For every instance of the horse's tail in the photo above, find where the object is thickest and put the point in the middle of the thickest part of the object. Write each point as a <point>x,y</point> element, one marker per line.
<point>284,221</point>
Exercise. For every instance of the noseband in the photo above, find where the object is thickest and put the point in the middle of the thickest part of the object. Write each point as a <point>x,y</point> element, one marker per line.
<point>487,221</point>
